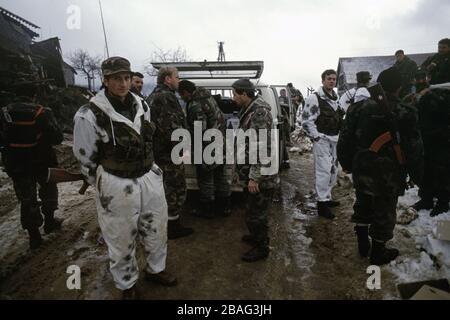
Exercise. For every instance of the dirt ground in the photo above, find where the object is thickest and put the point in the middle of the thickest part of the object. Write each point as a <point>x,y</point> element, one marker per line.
<point>311,258</point>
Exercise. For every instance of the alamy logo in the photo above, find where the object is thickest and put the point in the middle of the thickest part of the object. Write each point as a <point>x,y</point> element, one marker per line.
<point>234,148</point>
<point>73,21</point>
<point>74,280</point>
<point>374,281</point>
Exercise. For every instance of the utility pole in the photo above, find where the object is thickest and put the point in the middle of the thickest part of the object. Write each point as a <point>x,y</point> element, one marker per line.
<point>221,57</point>
<point>104,30</point>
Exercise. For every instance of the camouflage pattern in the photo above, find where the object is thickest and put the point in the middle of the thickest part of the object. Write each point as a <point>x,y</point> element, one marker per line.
<point>256,116</point>
<point>168,116</point>
<point>441,73</point>
<point>175,188</point>
<point>378,177</point>
<point>28,167</point>
<point>380,212</point>
<point>380,173</point>
<point>256,218</point>
<point>407,69</point>
<point>115,65</point>
<point>203,108</point>
<point>128,155</point>
<point>212,179</point>
<point>434,121</point>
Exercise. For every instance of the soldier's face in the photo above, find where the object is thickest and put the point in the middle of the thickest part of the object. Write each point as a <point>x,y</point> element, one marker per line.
<point>137,83</point>
<point>399,57</point>
<point>240,99</point>
<point>330,82</point>
<point>186,96</point>
<point>173,81</point>
<point>118,84</point>
<point>443,49</point>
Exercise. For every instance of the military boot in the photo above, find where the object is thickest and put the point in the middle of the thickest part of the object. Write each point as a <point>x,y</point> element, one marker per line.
<point>223,206</point>
<point>205,210</point>
<point>51,223</point>
<point>176,230</point>
<point>362,234</point>
<point>324,211</point>
<point>333,204</point>
<point>381,255</point>
<point>258,252</point>
<point>440,208</point>
<point>35,238</point>
<point>249,239</point>
<point>423,204</point>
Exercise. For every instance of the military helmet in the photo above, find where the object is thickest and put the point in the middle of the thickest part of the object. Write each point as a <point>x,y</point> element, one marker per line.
<point>115,65</point>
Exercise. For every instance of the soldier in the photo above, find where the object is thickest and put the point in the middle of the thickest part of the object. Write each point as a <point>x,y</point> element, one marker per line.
<point>113,142</point>
<point>28,132</point>
<point>284,102</point>
<point>357,94</point>
<point>321,120</point>
<point>438,66</point>
<point>137,83</point>
<point>168,116</point>
<point>255,114</point>
<point>213,181</point>
<point>407,69</point>
<point>379,144</point>
<point>434,119</point>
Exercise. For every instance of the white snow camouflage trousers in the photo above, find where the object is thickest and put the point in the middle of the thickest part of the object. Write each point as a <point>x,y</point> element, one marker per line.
<point>127,208</point>
<point>326,168</point>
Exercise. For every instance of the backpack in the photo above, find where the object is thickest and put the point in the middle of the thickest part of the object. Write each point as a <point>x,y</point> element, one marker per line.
<point>19,125</point>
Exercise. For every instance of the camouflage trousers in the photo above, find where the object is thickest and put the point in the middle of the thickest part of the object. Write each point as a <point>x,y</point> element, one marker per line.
<point>436,176</point>
<point>257,215</point>
<point>175,188</point>
<point>213,182</point>
<point>377,211</point>
<point>25,188</point>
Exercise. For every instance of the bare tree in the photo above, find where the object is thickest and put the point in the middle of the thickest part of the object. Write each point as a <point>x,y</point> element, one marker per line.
<point>89,65</point>
<point>160,55</point>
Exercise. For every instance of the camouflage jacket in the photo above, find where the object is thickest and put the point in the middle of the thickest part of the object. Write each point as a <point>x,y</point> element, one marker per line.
<point>168,116</point>
<point>257,116</point>
<point>434,119</point>
<point>441,73</point>
<point>407,69</point>
<point>380,173</point>
<point>204,109</point>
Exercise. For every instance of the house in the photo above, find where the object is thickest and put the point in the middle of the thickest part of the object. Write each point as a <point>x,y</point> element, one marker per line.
<point>23,58</point>
<point>348,67</point>
<point>49,55</point>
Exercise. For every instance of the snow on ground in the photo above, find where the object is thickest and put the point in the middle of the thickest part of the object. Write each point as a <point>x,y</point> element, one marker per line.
<point>422,256</point>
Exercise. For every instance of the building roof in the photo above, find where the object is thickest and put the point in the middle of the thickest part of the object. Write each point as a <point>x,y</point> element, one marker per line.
<point>27,25</point>
<point>348,67</point>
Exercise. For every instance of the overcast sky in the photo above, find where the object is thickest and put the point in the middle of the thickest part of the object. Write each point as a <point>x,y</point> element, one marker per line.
<point>297,40</point>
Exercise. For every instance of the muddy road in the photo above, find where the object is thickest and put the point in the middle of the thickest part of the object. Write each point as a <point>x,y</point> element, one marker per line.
<point>311,258</point>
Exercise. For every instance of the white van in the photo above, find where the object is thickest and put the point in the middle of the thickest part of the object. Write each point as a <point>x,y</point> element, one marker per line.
<point>218,77</point>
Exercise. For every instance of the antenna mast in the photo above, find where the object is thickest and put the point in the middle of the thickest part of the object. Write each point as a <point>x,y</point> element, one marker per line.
<point>221,57</point>
<point>104,30</point>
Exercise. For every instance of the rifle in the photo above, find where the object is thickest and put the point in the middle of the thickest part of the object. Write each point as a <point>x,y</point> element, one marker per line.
<point>57,175</point>
<point>379,96</point>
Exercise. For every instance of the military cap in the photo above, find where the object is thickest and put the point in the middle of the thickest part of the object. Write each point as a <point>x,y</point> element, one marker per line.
<point>390,79</point>
<point>243,84</point>
<point>115,65</point>
<point>363,76</point>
